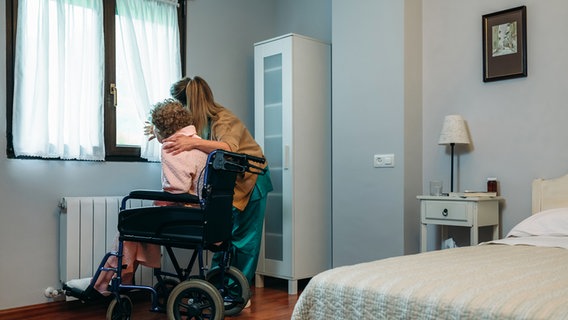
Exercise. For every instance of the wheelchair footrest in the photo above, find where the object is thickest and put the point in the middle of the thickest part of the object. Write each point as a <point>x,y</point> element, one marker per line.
<point>82,289</point>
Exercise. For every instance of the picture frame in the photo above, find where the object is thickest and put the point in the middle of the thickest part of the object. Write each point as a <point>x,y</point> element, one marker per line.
<point>505,44</point>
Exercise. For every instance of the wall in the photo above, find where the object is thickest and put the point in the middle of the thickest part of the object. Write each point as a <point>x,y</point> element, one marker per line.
<point>220,38</point>
<point>518,125</point>
<point>376,109</point>
<point>412,121</point>
<point>221,34</point>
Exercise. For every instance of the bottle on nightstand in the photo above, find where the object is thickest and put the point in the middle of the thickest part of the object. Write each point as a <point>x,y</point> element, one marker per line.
<point>492,185</point>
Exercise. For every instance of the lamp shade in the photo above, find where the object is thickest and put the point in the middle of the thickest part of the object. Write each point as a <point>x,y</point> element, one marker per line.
<point>454,131</point>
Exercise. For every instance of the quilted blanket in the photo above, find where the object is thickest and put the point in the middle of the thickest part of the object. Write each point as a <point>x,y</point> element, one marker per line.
<point>480,282</point>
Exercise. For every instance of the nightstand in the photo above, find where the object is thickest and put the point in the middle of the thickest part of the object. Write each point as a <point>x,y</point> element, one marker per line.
<point>471,212</point>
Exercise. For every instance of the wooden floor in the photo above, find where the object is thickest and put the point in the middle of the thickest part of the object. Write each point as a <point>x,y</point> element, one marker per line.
<point>271,302</point>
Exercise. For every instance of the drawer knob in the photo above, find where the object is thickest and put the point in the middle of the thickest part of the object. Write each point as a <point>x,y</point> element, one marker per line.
<point>445,212</point>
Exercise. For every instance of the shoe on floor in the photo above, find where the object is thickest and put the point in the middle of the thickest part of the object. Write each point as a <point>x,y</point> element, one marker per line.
<point>248,304</point>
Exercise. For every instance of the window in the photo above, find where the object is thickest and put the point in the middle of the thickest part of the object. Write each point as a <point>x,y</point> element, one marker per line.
<point>83,75</point>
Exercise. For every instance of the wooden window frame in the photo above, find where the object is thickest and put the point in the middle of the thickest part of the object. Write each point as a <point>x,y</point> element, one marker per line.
<point>113,152</point>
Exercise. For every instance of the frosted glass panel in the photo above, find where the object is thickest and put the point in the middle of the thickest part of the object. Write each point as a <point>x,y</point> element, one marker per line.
<point>273,153</point>
<point>273,79</point>
<point>273,120</point>
<point>273,236</point>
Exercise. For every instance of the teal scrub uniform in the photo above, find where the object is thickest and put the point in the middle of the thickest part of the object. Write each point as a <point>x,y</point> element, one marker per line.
<point>247,229</point>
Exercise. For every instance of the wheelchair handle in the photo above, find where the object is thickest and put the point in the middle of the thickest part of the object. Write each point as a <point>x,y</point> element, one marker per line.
<point>255,159</point>
<point>238,162</point>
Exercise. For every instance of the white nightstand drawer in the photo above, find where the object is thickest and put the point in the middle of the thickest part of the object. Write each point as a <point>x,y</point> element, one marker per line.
<point>446,210</point>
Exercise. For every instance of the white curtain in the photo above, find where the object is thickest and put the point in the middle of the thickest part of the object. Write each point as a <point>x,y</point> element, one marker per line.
<point>148,58</point>
<point>59,73</point>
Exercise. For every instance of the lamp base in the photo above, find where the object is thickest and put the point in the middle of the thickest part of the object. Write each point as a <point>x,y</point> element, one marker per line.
<point>452,145</point>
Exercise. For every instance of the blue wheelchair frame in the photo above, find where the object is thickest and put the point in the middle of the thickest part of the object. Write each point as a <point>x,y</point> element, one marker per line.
<point>198,223</point>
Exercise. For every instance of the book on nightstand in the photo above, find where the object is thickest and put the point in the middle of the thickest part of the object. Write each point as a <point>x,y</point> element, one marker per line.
<point>473,194</point>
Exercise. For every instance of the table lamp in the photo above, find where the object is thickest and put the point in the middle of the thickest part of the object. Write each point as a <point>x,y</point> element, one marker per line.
<point>454,131</point>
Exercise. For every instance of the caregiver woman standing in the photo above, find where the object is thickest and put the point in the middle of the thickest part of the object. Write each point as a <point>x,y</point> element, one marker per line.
<point>221,129</point>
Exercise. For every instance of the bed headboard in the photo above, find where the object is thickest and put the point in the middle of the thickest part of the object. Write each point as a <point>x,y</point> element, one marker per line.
<point>549,193</point>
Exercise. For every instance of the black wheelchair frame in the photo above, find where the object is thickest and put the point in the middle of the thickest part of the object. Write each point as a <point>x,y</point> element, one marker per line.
<point>199,223</point>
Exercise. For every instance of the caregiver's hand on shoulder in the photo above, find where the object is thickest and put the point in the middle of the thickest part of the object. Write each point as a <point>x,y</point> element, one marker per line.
<point>179,143</point>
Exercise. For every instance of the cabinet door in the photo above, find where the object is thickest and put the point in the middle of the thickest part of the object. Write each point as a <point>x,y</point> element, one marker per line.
<point>293,126</point>
<point>270,116</point>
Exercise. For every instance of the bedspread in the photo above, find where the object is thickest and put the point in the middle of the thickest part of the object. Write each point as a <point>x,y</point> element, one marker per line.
<point>480,282</point>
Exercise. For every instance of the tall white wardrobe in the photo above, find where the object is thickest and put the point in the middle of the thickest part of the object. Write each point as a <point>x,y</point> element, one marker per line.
<point>293,125</point>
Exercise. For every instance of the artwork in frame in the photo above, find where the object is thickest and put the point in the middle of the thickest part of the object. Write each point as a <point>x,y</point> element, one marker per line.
<point>505,44</point>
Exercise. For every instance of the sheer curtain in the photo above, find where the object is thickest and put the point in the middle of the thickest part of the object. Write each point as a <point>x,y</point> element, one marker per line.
<point>148,58</point>
<point>59,73</point>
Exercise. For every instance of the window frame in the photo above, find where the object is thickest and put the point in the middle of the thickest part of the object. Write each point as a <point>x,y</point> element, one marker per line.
<point>112,152</point>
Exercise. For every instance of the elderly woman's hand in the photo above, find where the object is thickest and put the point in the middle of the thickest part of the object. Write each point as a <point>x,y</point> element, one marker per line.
<point>149,130</point>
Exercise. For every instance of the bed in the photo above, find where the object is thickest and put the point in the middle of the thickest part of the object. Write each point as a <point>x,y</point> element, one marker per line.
<point>522,276</point>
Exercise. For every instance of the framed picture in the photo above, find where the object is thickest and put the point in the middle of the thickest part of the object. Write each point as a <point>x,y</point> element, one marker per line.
<point>505,44</point>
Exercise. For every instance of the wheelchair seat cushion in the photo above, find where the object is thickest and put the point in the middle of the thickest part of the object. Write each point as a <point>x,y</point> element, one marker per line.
<point>168,225</point>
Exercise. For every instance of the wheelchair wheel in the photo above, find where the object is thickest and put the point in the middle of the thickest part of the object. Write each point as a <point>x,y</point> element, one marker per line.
<point>164,288</point>
<point>195,299</point>
<point>119,309</point>
<point>234,288</point>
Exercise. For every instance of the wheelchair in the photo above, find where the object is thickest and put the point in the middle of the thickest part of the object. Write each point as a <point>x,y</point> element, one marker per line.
<point>198,223</point>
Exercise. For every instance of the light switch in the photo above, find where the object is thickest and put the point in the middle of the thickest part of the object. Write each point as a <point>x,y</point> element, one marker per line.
<point>383,161</point>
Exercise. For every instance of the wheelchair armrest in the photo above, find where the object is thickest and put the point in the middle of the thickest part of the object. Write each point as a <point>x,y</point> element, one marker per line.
<point>161,196</point>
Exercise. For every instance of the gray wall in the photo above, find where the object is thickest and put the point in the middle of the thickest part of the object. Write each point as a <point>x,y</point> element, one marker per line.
<point>221,48</point>
<point>517,126</point>
<point>377,108</point>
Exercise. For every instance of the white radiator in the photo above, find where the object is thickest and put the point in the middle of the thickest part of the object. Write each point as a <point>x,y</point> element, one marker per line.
<point>87,229</point>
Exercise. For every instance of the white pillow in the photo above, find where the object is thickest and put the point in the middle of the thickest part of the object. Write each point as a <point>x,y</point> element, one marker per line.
<point>552,222</point>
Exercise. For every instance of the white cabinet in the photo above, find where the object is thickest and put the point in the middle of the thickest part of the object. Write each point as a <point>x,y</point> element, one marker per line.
<point>293,125</point>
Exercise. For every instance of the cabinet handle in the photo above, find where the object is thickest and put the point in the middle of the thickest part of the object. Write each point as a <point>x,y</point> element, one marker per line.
<point>445,212</point>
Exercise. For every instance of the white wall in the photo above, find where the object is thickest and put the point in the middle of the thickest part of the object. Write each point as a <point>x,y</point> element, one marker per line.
<point>518,126</point>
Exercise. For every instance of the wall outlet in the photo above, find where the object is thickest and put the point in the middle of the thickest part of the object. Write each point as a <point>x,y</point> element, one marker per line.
<point>383,161</point>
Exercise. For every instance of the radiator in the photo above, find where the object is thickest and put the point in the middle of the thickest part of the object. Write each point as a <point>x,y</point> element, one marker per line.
<point>88,227</point>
